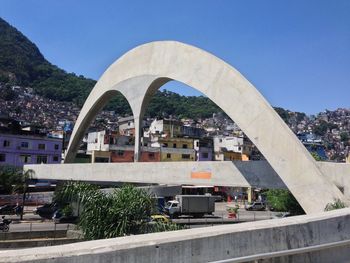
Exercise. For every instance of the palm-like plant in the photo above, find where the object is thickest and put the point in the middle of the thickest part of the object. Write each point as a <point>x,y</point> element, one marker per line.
<point>22,186</point>
<point>15,180</point>
<point>9,176</point>
<point>125,211</point>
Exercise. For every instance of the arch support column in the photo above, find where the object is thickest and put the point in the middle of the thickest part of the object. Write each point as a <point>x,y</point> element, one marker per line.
<point>138,134</point>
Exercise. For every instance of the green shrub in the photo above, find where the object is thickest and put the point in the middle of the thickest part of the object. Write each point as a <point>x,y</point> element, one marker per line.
<point>337,204</point>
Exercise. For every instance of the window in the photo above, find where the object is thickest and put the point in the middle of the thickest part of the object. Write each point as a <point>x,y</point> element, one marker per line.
<point>205,155</point>
<point>57,146</point>
<point>55,158</point>
<point>41,159</point>
<point>6,143</point>
<point>2,157</point>
<point>165,145</point>
<point>174,145</point>
<point>25,158</point>
<point>185,156</point>
<point>24,144</point>
<point>239,148</point>
<point>184,146</point>
<point>41,146</point>
<point>168,155</point>
<point>151,155</point>
<point>120,153</point>
<point>220,140</point>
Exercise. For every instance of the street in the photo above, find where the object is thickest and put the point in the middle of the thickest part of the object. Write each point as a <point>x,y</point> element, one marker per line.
<point>33,222</point>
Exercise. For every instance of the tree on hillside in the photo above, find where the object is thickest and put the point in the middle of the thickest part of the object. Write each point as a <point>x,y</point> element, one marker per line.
<point>344,136</point>
<point>321,129</point>
<point>282,113</point>
<point>316,156</point>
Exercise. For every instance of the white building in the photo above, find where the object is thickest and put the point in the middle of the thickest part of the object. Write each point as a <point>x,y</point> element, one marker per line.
<point>227,144</point>
<point>165,128</point>
<point>96,142</point>
<point>126,126</point>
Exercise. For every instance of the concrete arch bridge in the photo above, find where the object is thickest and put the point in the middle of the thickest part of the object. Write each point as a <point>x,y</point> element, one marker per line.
<point>139,73</point>
<point>317,237</point>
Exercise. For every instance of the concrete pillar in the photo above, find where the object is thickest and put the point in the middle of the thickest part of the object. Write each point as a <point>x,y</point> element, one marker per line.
<point>93,157</point>
<point>138,127</point>
<point>250,194</point>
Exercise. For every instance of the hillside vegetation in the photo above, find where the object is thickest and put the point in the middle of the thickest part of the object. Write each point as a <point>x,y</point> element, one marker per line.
<point>21,63</point>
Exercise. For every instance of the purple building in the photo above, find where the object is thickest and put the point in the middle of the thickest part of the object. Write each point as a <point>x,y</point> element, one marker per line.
<point>18,147</point>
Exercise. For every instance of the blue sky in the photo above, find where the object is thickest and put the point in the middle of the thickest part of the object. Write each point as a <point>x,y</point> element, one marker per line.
<point>296,53</point>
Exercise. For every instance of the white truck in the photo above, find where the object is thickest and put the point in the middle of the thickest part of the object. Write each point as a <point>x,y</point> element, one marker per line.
<point>194,205</point>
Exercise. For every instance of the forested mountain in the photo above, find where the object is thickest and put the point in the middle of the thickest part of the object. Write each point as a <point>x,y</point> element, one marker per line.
<point>21,63</point>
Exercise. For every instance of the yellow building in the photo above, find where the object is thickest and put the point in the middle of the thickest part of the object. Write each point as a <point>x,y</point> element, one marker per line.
<point>177,149</point>
<point>347,159</point>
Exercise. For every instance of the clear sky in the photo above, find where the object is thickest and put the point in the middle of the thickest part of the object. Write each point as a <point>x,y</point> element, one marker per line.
<point>296,53</point>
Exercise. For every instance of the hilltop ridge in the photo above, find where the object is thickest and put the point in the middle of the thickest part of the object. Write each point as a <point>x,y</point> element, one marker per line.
<point>22,64</point>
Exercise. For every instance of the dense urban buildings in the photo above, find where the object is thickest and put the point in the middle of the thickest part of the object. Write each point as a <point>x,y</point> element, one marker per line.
<point>327,133</point>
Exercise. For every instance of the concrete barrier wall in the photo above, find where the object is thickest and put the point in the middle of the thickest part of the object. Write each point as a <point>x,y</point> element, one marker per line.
<point>258,174</point>
<point>33,234</point>
<point>209,244</point>
<point>226,173</point>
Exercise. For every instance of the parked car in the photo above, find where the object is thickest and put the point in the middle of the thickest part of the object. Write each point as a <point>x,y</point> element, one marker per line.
<point>160,218</point>
<point>58,217</point>
<point>282,215</point>
<point>46,211</point>
<point>8,209</point>
<point>256,206</point>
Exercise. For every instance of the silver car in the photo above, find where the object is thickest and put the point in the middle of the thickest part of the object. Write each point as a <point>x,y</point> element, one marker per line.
<point>257,206</point>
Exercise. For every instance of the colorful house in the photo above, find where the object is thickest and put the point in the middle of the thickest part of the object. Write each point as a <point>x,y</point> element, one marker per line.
<point>177,149</point>
<point>20,149</point>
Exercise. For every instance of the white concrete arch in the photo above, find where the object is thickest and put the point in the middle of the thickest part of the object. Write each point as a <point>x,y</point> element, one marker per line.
<point>142,70</point>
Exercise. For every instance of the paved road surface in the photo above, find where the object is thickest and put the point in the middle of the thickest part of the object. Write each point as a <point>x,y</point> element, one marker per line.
<point>33,222</point>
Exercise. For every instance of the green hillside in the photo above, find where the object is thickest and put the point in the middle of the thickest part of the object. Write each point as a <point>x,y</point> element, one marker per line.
<point>21,63</point>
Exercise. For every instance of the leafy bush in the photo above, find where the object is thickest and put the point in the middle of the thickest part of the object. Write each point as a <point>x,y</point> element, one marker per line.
<point>67,210</point>
<point>283,200</point>
<point>337,204</point>
<point>233,209</point>
<point>126,211</point>
<point>13,179</point>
